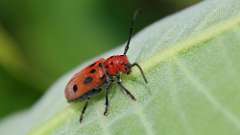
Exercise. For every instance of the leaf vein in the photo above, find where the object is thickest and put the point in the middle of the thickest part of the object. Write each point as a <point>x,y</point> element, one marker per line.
<point>205,91</point>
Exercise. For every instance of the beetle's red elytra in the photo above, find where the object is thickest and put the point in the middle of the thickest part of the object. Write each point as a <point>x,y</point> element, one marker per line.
<point>100,75</point>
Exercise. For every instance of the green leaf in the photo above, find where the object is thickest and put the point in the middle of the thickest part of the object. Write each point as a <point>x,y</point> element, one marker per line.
<point>191,60</point>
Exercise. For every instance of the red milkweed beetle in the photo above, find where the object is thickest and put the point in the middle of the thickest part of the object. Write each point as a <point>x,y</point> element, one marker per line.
<point>101,74</point>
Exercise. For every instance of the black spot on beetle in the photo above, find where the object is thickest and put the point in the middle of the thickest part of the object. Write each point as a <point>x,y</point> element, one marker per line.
<point>75,88</point>
<point>88,80</point>
<point>93,71</point>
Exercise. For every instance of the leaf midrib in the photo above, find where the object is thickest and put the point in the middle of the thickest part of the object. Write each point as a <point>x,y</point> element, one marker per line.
<point>193,41</point>
<point>170,53</point>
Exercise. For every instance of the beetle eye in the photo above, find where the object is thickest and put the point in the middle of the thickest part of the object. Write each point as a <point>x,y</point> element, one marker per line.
<point>75,88</point>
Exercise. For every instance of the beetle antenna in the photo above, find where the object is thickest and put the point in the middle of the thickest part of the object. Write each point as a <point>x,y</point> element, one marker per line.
<point>131,30</point>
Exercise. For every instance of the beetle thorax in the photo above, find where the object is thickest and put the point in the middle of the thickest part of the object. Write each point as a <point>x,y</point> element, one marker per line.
<point>117,64</point>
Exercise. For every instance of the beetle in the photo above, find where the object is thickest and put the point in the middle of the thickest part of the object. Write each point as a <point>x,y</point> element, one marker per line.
<point>100,75</point>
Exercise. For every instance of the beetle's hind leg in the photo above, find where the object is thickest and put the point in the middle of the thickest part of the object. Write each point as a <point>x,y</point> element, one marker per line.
<point>84,109</point>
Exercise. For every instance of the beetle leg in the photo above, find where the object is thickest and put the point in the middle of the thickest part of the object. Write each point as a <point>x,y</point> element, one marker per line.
<point>83,110</point>
<point>142,73</point>
<point>109,81</point>
<point>106,98</point>
<point>119,82</point>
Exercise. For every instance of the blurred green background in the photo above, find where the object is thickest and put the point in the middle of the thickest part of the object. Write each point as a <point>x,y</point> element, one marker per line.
<point>42,40</point>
